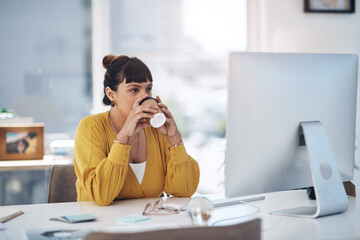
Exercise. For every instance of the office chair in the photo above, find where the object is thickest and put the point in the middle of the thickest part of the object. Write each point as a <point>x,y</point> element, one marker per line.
<point>62,184</point>
<point>247,230</point>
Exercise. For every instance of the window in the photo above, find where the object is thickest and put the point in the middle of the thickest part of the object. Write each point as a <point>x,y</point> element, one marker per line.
<point>45,74</point>
<point>186,43</point>
<point>45,61</point>
<point>46,69</point>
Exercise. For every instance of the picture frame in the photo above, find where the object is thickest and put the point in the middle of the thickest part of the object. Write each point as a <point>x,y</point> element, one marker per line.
<point>329,6</point>
<point>20,141</point>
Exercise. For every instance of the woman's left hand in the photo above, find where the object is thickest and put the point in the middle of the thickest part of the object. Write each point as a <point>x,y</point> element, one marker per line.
<point>169,129</point>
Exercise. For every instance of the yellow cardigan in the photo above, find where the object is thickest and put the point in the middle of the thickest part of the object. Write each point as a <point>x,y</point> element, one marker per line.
<point>103,171</point>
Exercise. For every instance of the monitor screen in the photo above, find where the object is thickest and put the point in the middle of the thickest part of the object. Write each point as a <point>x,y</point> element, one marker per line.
<point>269,95</point>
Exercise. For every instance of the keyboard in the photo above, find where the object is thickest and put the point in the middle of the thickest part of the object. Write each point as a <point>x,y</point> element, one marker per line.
<point>231,201</point>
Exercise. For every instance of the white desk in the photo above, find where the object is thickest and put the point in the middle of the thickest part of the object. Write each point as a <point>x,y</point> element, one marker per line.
<point>340,226</point>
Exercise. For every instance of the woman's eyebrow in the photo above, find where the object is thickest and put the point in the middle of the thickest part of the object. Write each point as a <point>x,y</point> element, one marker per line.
<point>133,85</point>
<point>137,85</point>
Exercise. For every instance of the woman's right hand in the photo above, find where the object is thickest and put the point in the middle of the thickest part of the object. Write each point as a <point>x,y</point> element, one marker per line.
<point>133,125</point>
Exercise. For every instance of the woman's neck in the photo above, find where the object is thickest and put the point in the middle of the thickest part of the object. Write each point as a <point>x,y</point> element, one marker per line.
<point>116,120</point>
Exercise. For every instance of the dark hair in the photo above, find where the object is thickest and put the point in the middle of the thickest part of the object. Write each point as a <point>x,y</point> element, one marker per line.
<point>13,146</point>
<point>123,67</point>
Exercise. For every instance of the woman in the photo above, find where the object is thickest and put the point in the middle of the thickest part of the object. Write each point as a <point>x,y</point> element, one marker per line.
<point>118,155</point>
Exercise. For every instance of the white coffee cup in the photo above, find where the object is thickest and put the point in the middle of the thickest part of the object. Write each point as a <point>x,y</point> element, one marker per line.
<point>159,118</point>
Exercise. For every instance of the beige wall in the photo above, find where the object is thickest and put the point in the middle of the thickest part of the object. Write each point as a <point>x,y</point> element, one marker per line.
<point>283,26</point>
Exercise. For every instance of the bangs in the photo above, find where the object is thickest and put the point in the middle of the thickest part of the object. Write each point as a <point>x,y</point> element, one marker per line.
<point>136,71</point>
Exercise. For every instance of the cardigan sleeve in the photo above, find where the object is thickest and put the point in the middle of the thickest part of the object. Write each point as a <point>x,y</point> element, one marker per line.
<point>182,172</point>
<point>100,175</point>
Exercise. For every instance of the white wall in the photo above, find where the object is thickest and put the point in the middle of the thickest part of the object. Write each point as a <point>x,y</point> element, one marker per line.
<point>283,26</point>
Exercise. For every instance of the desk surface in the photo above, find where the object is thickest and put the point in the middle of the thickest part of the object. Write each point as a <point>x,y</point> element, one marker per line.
<point>48,162</point>
<point>339,226</point>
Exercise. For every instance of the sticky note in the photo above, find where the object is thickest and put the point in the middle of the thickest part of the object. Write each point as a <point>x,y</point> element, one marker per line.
<point>80,218</point>
<point>132,218</point>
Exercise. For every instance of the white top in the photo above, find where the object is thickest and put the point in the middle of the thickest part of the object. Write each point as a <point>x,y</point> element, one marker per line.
<point>139,170</point>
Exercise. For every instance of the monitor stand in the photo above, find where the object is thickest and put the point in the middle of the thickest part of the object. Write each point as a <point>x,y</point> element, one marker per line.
<point>330,193</point>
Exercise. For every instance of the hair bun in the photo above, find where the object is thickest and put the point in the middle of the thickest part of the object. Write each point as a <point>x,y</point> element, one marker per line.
<point>107,60</point>
<point>110,59</point>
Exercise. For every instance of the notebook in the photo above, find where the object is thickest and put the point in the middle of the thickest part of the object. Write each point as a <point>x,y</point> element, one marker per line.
<point>75,218</point>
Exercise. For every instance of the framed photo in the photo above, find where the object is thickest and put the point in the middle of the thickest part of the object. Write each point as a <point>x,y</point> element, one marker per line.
<point>329,6</point>
<point>22,141</point>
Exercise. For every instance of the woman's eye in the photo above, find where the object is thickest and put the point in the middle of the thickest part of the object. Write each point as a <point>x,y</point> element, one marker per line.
<point>134,90</point>
<point>149,89</point>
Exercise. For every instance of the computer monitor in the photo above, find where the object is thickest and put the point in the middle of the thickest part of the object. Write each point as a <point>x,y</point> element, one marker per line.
<point>269,96</point>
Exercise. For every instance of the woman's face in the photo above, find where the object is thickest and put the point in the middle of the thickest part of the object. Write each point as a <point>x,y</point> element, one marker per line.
<point>127,93</point>
<point>21,147</point>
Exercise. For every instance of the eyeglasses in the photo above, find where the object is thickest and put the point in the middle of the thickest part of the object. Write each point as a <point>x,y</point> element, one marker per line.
<point>161,209</point>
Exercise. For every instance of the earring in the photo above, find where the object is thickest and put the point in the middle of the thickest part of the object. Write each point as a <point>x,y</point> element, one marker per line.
<point>113,103</point>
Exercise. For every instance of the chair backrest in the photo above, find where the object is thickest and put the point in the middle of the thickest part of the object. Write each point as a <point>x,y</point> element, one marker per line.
<point>62,184</point>
<point>247,230</point>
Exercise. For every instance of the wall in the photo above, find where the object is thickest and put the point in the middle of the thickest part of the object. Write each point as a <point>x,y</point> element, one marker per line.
<point>283,26</point>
